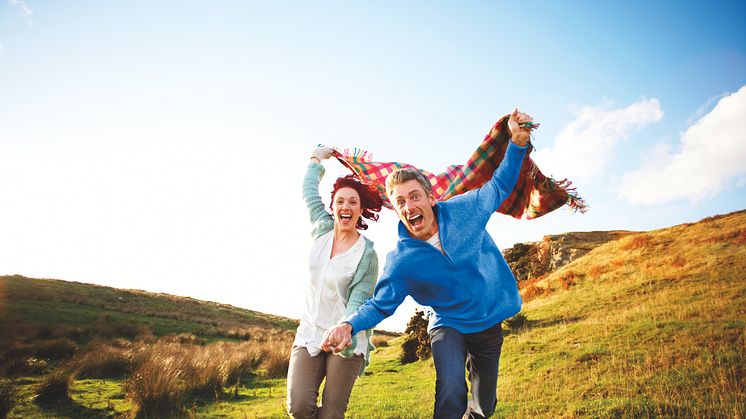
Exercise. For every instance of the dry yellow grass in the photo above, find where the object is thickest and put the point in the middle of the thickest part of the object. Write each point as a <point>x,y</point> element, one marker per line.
<point>654,325</point>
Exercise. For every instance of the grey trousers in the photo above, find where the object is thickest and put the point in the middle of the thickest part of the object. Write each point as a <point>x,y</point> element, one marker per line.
<point>304,379</point>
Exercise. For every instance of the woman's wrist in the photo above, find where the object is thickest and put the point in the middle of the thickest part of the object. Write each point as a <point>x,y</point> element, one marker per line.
<point>316,159</point>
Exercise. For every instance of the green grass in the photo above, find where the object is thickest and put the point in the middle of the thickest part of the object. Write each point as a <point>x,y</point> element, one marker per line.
<point>76,315</point>
<point>89,399</point>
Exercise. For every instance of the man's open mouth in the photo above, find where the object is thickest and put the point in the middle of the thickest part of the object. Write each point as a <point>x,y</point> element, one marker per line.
<point>415,220</point>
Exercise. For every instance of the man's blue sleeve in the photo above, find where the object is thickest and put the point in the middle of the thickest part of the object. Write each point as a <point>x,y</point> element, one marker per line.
<point>390,292</point>
<point>492,194</point>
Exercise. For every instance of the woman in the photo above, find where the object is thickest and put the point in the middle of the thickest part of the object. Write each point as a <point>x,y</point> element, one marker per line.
<point>343,268</point>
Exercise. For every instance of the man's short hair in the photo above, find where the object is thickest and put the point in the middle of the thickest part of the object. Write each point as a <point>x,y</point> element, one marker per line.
<point>405,175</point>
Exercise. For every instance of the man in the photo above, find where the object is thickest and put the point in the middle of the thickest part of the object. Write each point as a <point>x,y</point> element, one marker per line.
<point>445,259</point>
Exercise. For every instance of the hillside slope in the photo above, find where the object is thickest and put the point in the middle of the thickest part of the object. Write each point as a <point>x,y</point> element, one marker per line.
<point>651,324</point>
<point>73,304</point>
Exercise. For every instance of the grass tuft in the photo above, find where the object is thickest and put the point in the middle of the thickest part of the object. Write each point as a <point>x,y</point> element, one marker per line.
<point>55,387</point>
<point>157,386</point>
<point>639,241</point>
<point>55,349</point>
<point>8,397</point>
<point>517,323</point>
<point>380,341</point>
<point>104,361</point>
<point>567,280</point>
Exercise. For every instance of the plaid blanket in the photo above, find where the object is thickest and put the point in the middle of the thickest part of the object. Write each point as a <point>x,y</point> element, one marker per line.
<point>534,194</point>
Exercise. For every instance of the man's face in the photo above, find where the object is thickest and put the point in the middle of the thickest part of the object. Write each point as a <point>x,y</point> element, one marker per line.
<point>415,209</point>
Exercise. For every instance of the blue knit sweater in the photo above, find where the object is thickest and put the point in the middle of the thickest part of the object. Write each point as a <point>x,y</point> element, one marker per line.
<point>471,287</point>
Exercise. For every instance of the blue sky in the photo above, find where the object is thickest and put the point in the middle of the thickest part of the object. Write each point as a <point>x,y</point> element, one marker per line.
<point>161,145</point>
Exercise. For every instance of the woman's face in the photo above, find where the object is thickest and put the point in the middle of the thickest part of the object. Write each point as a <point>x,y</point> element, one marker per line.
<point>347,208</point>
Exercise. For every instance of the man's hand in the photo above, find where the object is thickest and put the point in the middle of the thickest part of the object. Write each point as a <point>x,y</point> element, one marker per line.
<point>337,338</point>
<point>520,135</point>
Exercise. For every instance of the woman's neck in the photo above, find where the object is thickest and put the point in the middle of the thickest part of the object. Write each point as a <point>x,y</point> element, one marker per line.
<point>345,236</point>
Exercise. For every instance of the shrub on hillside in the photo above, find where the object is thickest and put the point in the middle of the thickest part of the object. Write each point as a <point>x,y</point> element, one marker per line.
<point>185,338</point>
<point>104,361</point>
<point>531,292</point>
<point>517,322</point>
<point>108,327</point>
<point>416,346</point>
<point>8,397</point>
<point>55,349</point>
<point>18,359</point>
<point>596,271</point>
<point>277,361</point>
<point>215,367</point>
<point>380,341</point>
<point>24,365</point>
<point>617,263</point>
<point>55,387</point>
<point>567,280</point>
<point>190,369</point>
<point>735,236</point>
<point>639,241</point>
<point>157,386</point>
<point>678,262</point>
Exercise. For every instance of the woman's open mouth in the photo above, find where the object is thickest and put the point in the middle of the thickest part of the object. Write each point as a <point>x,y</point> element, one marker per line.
<point>345,218</point>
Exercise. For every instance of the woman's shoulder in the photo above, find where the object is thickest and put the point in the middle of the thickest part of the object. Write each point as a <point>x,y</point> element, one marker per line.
<point>369,246</point>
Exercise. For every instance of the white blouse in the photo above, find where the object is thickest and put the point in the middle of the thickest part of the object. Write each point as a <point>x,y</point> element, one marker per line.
<point>326,296</point>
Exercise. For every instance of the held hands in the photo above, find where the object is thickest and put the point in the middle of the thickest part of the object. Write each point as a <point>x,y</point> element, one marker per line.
<point>520,135</point>
<point>337,338</point>
<point>321,153</point>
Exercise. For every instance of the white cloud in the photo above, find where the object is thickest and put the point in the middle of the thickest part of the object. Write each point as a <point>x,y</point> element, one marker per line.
<point>584,147</point>
<point>707,106</point>
<point>25,11</point>
<point>711,156</point>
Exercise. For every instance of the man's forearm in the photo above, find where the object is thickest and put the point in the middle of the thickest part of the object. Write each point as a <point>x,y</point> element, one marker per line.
<point>366,317</point>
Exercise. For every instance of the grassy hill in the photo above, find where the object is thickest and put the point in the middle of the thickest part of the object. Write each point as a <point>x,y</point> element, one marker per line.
<point>650,325</point>
<point>65,304</point>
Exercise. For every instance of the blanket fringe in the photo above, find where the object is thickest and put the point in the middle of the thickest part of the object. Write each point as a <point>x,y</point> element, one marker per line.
<point>575,202</point>
<point>358,154</point>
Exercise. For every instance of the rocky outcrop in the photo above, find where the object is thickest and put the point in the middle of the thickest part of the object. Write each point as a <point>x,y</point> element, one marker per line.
<point>533,259</point>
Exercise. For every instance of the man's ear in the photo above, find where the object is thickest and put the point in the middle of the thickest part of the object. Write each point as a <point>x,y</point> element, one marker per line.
<point>432,200</point>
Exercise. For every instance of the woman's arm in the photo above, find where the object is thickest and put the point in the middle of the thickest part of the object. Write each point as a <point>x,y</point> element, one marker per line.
<point>315,205</point>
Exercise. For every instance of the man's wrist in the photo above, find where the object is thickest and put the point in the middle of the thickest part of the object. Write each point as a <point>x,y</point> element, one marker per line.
<point>520,142</point>
<point>347,326</point>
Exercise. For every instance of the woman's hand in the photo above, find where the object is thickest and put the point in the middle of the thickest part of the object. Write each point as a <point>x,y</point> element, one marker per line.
<point>321,153</point>
<point>520,135</point>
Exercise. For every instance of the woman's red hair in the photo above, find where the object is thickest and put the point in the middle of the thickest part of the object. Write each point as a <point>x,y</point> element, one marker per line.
<point>370,200</point>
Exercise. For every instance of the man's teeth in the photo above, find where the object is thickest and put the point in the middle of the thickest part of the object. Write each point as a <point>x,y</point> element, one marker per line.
<point>415,217</point>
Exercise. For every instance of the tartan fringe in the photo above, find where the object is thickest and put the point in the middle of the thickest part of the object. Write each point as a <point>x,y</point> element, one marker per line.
<point>575,202</point>
<point>357,155</point>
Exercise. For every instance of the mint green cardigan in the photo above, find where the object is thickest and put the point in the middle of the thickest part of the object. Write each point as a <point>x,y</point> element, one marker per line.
<point>364,279</point>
